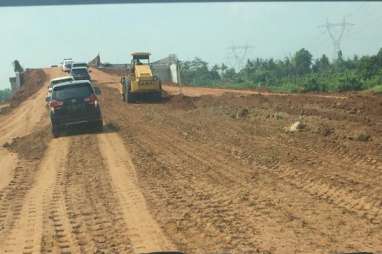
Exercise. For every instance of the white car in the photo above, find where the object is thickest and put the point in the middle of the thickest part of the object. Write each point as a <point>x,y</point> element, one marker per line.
<point>54,82</point>
<point>67,65</point>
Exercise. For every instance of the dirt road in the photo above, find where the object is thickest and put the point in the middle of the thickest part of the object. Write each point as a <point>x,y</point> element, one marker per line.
<point>210,173</point>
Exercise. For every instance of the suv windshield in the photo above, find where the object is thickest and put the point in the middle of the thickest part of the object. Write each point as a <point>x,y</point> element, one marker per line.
<point>80,71</point>
<point>79,65</point>
<point>72,91</point>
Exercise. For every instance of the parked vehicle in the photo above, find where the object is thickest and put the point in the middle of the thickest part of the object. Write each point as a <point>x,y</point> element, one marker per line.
<point>54,82</point>
<point>74,103</point>
<point>80,73</point>
<point>67,64</point>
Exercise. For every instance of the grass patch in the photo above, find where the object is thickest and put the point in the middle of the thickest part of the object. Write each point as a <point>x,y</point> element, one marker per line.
<point>376,89</point>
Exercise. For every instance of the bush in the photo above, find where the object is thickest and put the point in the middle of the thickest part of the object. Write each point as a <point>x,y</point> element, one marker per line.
<point>290,87</point>
<point>349,84</point>
<point>312,85</point>
<point>377,89</point>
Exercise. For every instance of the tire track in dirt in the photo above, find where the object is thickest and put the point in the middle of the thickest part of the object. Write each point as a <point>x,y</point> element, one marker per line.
<point>144,232</point>
<point>58,233</point>
<point>13,194</point>
<point>8,161</point>
<point>194,181</point>
<point>93,213</point>
<point>214,199</point>
<point>269,193</point>
<point>167,151</point>
<point>321,186</point>
<point>335,185</point>
<point>205,154</point>
<point>345,165</point>
<point>30,115</point>
<point>343,162</point>
<point>341,195</point>
<point>24,234</point>
<point>345,186</point>
<point>216,225</point>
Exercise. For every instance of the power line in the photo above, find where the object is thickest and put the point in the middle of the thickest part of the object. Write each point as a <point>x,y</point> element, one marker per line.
<point>358,8</point>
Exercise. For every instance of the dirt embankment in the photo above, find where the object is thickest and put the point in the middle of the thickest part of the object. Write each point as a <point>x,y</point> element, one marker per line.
<point>33,79</point>
<point>31,146</point>
<point>114,72</point>
<point>4,107</point>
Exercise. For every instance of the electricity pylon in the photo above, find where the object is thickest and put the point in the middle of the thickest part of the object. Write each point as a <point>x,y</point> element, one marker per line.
<point>336,37</point>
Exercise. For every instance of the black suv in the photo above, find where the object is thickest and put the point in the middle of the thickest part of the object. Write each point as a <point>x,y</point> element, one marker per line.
<point>80,73</point>
<point>73,103</point>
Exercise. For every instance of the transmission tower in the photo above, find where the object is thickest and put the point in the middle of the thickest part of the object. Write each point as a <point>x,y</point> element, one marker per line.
<point>336,36</point>
<point>239,55</point>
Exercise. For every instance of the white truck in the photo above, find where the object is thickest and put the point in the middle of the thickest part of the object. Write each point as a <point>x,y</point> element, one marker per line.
<point>67,64</point>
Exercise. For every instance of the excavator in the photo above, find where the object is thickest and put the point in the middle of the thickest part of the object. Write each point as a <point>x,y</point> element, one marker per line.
<point>140,83</point>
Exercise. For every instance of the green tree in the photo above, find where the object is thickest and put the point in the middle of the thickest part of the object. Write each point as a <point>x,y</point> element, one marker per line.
<point>214,72</point>
<point>321,65</point>
<point>196,72</point>
<point>303,61</point>
<point>379,58</point>
<point>223,68</point>
<point>298,73</point>
<point>230,74</point>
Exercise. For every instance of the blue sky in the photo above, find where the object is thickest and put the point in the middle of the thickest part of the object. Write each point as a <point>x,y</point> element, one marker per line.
<point>41,36</point>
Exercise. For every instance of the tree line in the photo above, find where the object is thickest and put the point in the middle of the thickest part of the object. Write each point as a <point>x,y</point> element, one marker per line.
<point>299,73</point>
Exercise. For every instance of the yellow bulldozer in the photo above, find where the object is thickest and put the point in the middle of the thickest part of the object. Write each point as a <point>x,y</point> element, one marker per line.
<point>140,83</point>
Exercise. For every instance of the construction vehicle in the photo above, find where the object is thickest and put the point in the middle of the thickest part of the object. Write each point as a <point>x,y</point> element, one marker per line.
<point>140,83</point>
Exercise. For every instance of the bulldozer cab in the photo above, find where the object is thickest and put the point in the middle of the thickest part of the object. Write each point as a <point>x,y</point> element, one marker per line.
<point>140,58</point>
